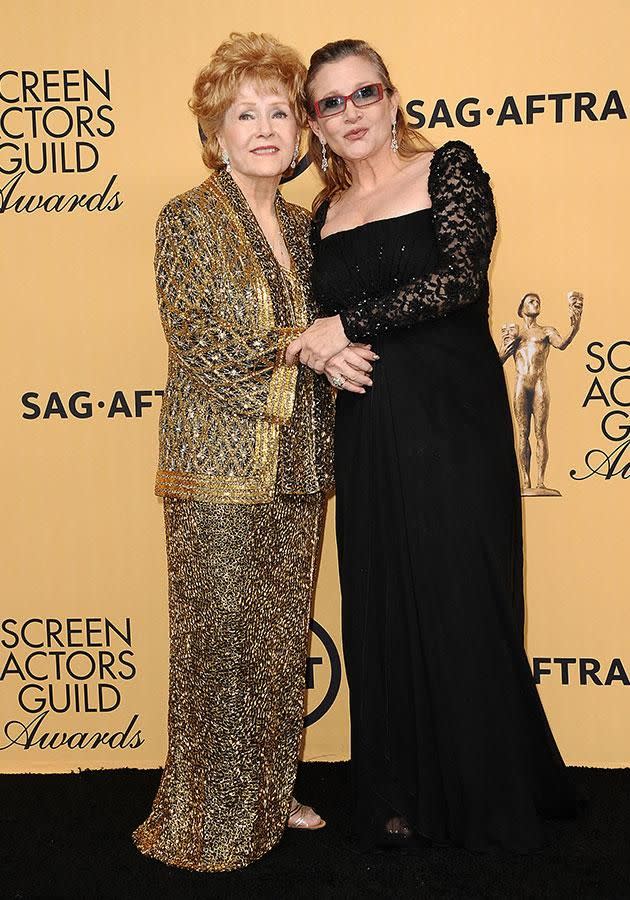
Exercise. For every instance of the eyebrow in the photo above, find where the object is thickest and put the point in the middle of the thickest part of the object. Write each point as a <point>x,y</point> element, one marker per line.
<point>341,94</point>
<point>278,102</point>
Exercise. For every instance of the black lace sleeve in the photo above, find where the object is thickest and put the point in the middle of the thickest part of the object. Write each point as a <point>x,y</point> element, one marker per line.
<point>465,226</point>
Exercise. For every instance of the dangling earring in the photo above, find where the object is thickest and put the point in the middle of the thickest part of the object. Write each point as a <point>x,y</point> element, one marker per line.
<point>295,154</point>
<point>394,138</point>
<point>324,157</point>
<point>226,161</point>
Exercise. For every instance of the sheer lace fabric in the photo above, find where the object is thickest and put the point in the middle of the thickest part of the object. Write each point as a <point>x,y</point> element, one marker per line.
<point>465,225</point>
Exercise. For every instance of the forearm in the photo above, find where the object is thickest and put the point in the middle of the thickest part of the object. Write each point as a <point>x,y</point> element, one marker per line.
<point>424,300</point>
<point>564,343</point>
<point>245,373</point>
<point>239,365</point>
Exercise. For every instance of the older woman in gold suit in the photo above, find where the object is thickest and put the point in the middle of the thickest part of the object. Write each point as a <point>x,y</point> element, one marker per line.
<point>245,462</point>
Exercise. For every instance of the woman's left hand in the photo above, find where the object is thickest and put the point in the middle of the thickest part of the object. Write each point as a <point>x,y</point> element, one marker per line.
<point>350,370</point>
<point>319,343</point>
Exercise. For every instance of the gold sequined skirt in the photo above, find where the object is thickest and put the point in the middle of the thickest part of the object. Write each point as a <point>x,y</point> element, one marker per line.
<point>240,588</point>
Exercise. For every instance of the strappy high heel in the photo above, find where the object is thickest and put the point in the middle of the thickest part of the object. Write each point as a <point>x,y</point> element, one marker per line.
<point>303,817</point>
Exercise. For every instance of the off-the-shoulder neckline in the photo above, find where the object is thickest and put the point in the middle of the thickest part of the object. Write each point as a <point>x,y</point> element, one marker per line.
<point>387,218</point>
<point>436,153</point>
<point>414,212</point>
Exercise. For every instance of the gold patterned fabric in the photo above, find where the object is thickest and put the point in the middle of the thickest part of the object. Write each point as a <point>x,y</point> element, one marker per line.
<point>240,581</point>
<point>229,310</point>
<point>245,462</point>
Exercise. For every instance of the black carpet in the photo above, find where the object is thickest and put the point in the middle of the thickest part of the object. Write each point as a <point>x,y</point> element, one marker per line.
<point>69,836</point>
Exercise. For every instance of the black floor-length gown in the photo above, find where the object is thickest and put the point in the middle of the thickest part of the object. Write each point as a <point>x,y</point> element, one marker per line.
<point>447,727</point>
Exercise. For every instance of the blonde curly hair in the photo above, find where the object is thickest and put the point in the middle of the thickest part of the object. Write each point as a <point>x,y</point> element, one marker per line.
<point>260,57</point>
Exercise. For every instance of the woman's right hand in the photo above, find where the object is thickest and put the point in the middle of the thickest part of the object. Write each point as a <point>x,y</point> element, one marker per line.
<point>354,363</point>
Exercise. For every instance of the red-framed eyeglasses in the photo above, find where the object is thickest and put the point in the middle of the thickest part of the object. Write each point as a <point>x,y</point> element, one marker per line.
<point>363,96</point>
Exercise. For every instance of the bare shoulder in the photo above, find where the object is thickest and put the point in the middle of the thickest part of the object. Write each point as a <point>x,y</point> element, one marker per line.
<point>337,205</point>
<point>420,162</point>
<point>416,177</point>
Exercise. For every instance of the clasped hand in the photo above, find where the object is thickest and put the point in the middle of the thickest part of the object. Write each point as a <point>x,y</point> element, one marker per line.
<point>325,348</point>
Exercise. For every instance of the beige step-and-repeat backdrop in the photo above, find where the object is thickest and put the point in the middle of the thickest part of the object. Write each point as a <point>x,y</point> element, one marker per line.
<point>95,136</point>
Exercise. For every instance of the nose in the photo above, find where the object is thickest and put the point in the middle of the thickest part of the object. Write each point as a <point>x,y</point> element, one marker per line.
<point>351,113</point>
<point>265,127</point>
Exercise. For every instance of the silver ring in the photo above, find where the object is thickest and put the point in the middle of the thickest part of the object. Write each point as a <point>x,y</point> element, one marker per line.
<point>339,380</point>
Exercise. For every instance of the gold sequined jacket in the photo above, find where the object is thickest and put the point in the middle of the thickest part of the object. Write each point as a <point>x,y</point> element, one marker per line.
<point>237,424</point>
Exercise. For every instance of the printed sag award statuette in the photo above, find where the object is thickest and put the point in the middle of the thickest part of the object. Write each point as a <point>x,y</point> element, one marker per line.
<point>530,349</point>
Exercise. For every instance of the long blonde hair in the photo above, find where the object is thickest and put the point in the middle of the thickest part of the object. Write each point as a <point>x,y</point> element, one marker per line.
<point>410,142</point>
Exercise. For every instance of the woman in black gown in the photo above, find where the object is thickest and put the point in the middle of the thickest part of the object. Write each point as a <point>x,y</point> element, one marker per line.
<point>449,737</point>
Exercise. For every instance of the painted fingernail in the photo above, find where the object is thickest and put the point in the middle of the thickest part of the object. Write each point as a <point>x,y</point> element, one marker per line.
<point>374,356</point>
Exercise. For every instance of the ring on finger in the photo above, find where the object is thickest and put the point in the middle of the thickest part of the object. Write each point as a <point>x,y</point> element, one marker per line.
<point>339,380</point>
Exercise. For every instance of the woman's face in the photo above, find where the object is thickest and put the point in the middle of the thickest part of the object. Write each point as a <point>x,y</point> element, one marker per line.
<point>259,131</point>
<point>356,133</point>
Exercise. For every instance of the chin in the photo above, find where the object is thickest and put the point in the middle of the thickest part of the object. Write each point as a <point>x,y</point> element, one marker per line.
<point>268,167</point>
<point>358,153</point>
